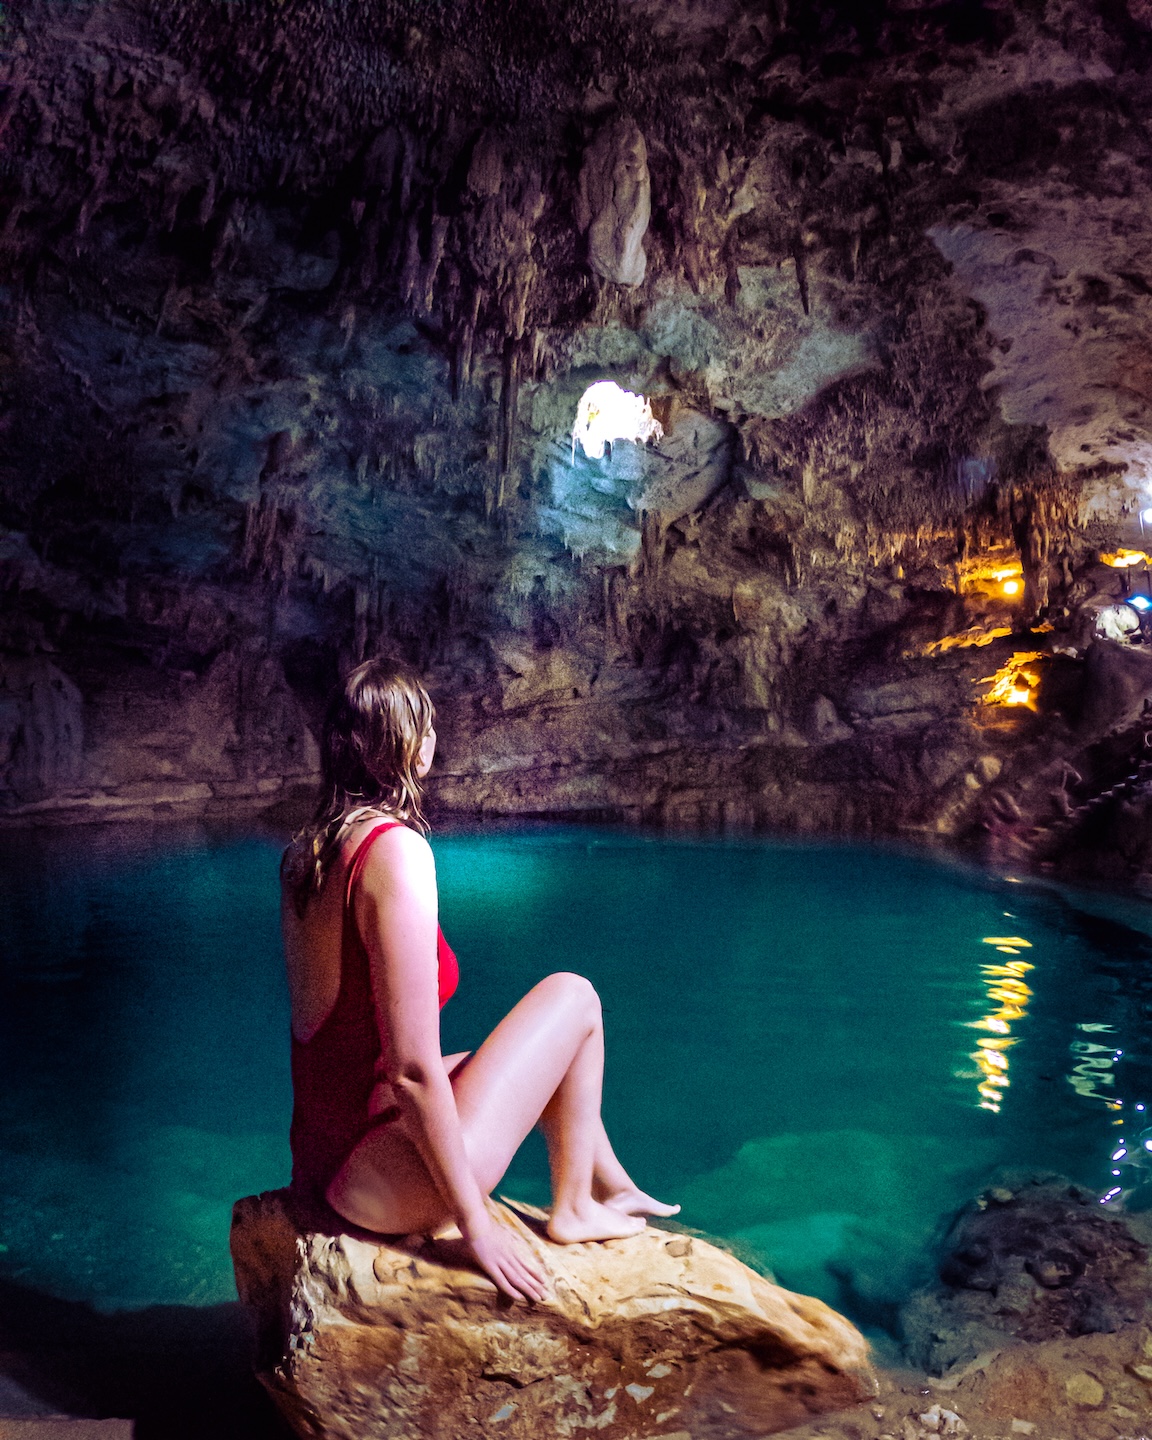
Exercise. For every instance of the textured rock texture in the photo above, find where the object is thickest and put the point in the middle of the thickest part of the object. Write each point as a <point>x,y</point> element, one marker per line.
<point>614,202</point>
<point>1095,1387</point>
<point>296,307</point>
<point>1034,1262</point>
<point>659,1335</point>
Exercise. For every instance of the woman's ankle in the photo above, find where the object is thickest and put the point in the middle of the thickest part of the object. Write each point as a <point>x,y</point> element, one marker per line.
<point>576,1222</point>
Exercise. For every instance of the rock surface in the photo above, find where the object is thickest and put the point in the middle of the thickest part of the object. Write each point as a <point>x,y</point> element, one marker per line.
<point>66,1429</point>
<point>659,1335</point>
<point>614,202</point>
<point>1097,1387</point>
<point>1031,1262</point>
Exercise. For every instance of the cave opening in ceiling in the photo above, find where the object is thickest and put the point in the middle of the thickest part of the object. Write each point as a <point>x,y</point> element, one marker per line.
<point>607,413</point>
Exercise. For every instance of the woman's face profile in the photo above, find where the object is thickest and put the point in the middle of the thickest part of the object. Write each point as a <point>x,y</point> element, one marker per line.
<point>425,753</point>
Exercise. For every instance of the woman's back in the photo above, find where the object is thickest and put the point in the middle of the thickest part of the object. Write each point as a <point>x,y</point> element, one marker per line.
<point>338,1057</point>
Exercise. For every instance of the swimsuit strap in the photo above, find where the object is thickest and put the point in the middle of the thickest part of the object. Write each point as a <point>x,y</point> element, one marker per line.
<point>362,854</point>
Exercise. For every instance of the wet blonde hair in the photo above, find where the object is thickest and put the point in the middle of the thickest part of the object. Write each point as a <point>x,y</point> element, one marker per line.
<point>374,726</point>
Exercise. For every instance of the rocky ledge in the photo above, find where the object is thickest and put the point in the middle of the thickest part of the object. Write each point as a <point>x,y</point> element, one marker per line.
<point>660,1335</point>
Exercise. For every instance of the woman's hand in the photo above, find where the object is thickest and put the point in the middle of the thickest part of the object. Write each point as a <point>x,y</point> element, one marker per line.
<point>505,1259</point>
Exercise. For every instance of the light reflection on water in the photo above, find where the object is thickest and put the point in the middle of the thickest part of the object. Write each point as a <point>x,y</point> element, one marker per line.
<point>1006,988</point>
<point>789,1034</point>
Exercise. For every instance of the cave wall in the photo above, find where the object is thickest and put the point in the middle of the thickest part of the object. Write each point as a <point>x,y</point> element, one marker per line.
<point>297,305</point>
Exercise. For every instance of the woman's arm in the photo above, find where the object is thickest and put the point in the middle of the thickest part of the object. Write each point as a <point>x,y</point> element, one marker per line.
<point>397,913</point>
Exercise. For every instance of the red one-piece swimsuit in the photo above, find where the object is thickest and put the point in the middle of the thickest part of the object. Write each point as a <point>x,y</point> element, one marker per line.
<point>335,1071</point>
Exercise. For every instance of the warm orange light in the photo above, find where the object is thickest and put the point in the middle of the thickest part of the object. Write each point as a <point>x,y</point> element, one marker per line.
<point>1124,559</point>
<point>1014,682</point>
<point>974,636</point>
<point>987,572</point>
<point>1011,587</point>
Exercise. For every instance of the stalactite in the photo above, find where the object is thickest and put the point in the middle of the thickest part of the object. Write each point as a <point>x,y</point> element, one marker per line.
<point>410,273</point>
<point>439,238</point>
<point>506,427</point>
<point>460,368</point>
<point>801,263</point>
<point>408,156</point>
<point>476,306</point>
<point>362,600</point>
<point>609,607</point>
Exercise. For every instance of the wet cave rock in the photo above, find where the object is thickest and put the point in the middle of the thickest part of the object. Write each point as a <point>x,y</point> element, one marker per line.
<point>298,309</point>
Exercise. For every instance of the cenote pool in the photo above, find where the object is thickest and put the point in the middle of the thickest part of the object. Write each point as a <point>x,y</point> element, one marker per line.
<point>819,1049</point>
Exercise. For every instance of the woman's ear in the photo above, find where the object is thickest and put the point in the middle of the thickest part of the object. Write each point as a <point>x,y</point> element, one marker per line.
<point>425,753</point>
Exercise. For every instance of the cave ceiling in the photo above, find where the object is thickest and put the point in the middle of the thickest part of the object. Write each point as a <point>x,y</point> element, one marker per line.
<point>297,302</point>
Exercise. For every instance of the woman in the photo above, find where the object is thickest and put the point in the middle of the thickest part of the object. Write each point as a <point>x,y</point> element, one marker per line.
<point>395,1137</point>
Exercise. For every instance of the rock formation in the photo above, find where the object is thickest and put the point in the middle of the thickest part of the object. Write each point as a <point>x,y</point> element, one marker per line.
<point>614,202</point>
<point>658,1335</point>
<point>296,309</point>
<point>1033,1261</point>
<point>41,730</point>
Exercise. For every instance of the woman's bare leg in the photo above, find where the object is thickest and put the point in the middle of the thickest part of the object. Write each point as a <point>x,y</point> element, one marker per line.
<point>572,1127</point>
<point>547,1054</point>
<point>612,1184</point>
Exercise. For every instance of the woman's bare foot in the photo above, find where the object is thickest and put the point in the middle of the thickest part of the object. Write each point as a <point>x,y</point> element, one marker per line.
<point>591,1221</point>
<point>636,1202</point>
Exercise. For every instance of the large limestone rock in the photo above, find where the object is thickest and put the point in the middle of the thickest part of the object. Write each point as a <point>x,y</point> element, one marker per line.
<point>662,1335</point>
<point>614,202</point>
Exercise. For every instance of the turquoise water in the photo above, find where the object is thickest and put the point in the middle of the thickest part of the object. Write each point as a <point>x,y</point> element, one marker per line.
<point>791,1032</point>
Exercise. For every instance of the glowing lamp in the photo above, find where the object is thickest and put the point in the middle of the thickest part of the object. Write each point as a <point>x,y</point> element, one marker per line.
<point>1140,602</point>
<point>1146,516</point>
<point>1011,587</point>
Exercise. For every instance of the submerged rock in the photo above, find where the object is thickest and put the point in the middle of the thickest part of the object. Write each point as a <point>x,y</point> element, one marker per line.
<point>658,1335</point>
<point>1036,1262</point>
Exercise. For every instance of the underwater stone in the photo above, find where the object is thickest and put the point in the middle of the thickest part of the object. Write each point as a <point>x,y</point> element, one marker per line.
<point>1049,1264</point>
<point>637,1337</point>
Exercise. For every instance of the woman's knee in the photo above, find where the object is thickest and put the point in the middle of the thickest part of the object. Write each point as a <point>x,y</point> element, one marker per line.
<point>575,991</point>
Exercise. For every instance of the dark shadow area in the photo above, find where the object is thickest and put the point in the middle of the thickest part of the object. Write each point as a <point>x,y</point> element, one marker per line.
<point>180,1372</point>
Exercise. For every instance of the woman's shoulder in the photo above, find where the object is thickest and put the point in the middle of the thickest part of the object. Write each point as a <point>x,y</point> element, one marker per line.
<point>393,852</point>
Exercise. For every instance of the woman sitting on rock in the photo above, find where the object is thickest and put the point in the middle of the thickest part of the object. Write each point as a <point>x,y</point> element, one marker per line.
<point>395,1137</point>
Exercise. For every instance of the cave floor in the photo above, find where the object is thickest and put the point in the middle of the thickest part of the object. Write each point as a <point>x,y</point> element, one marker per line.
<point>1093,1387</point>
